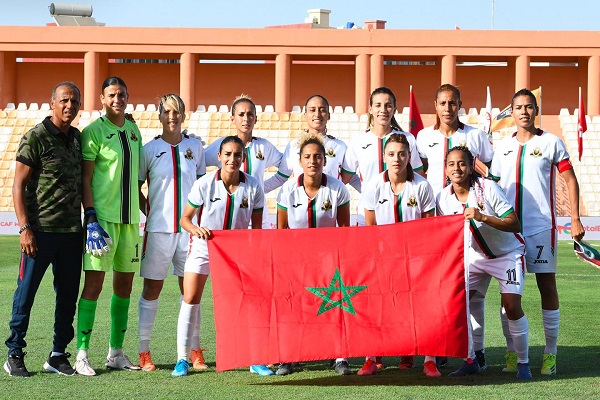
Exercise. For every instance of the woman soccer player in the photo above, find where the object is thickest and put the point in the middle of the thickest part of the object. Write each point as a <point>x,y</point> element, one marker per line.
<point>260,153</point>
<point>316,114</point>
<point>227,199</point>
<point>111,147</point>
<point>397,195</point>
<point>170,164</point>
<point>526,165</point>
<point>496,248</point>
<point>433,143</point>
<point>313,200</point>
<point>365,152</point>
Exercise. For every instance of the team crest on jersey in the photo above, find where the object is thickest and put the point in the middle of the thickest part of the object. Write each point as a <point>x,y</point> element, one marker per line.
<point>480,205</point>
<point>189,154</point>
<point>259,155</point>
<point>412,201</point>
<point>244,203</point>
<point>537,152</point>
<point>133,136</point>
<point>330,152</point>
<point>326,205</point>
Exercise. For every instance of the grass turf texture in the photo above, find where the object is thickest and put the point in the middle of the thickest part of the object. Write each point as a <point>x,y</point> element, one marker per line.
<point>578,358</point>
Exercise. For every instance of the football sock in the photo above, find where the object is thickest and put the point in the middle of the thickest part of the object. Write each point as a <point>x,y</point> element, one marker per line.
<point>505,330</point>
<point>429,358</point>
<point>519,330</point>
<point>477,307</point>
<point>86,313</point>
<point>551,319</point>
<point>147,311</point>
<point>119,313</point>
<point>188,317</point>
<point>195,343</point>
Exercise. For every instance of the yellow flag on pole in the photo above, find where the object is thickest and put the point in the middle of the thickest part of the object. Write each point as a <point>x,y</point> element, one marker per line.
<point>506,120</point>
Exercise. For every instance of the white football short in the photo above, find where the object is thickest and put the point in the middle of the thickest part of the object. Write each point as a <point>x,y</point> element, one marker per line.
<point>160,251</point>
<point>507,269</point>
<point>541,252</point>
<point>197,258</point>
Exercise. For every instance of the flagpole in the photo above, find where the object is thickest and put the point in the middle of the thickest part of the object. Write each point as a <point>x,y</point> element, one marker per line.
<point>492,14</point>
<point>540,107</point>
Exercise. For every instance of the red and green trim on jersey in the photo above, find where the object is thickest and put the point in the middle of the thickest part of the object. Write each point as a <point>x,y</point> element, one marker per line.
<point>247,165</point>
<point>177,210</point>
<point>230,202</point>
<point>397,200</point>
<point>311,209</point>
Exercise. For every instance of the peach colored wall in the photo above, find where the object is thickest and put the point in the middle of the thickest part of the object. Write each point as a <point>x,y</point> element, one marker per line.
<point>35,81</point>
<point>424,78</point>
<point>334,82</point>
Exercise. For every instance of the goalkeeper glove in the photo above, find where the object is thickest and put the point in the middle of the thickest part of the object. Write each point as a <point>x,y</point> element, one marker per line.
<point>97,239</point>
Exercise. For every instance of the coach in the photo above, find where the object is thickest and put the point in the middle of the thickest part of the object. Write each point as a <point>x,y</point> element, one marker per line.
<point>47,200</point>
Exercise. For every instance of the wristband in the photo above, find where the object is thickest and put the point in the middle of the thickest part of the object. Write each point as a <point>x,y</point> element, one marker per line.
<point>24,227</point>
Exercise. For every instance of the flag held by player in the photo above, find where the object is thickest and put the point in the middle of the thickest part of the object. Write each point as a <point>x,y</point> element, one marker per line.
<point>317,294</point>
<point>505,120</point>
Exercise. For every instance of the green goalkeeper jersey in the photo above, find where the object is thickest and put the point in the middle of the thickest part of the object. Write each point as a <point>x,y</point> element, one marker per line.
<point>115,151</point>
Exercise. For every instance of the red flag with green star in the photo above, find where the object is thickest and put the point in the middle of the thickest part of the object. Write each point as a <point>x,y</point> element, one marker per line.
<point>315,294</point>
<point>415,123</point>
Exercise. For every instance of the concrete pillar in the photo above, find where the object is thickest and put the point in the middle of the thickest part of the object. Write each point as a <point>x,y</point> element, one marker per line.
<point>361,84</point>
<point>448,74</point>
<point>8,77</point>
<point>593,86</point>
<point>283,69</point>
<point>187,80</point>
<point>92,80</point>
<point>522,75</point>
<point>377,71</point>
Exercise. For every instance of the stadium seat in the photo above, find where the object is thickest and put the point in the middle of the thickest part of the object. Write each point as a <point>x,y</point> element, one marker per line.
<point>212,108</point>
<point>151,107</point>
<point>259,109</point>
<point>223,108</point>
<point>296,109</point>
<point>33,107</point>
<point>22,107</point>
<point>45,107</point>
<point>201,108</point>
<point>338,110</point>
<point>269,108</point>
<point>140,108</point>
<point>10,106</point>
<point>129,108</point>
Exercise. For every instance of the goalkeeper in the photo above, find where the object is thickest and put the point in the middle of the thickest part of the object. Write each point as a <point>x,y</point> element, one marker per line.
<point>111,147</point>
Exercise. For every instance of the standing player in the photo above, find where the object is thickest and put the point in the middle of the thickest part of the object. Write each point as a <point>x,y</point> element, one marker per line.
<point>433,143</point>
<point>496,249</point>
<point>313,200</point>
<point>260,153</point>
<point>226,198</point>
<point>365,152</point>
<point>526,164</point>
<point>170,164</point>
<point>47,199</point>
<point>111,148</point>
<point>397,195</point>
<point>316,114</point>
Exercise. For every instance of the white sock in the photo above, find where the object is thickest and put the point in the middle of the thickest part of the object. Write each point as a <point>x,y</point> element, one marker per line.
<point>340,359</point>
<point>56,353</point>
<point>196,335</point>
<point>372,358</point>
<point>188,315</point>
<point>505,330</point>
<point>114,352</point>
<point>519,330</point>
<point>477,307</point>
<point>429,358</point>
<point>147,311</point>
<point>81,354</point>
<point>551,319</point>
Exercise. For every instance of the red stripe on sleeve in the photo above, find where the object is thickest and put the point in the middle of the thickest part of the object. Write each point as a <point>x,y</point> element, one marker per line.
<point>564,165</point>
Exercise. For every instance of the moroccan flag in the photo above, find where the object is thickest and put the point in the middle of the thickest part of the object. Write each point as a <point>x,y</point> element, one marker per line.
<point>586,252</point>
<point>581,126</point>
<point>505,119</point>
<point>316,294</point>
<point>415,123</point>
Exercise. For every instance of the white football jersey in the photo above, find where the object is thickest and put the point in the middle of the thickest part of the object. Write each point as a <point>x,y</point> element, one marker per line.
<point>527,173</point>
<point>415,199</point>
<point>260,155</point>
<point>318,212</point>
<point>221,210</point>
<point>490,200</point>
<point>433,146</point>
<point>365,155</point>
<point>170,172</point>
<point>335,151</point>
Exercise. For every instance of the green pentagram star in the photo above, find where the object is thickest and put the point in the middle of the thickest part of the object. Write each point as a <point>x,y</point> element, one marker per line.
<point>336,285</point>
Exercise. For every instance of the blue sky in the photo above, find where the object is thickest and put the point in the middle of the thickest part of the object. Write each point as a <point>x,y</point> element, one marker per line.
<point>399,14</point>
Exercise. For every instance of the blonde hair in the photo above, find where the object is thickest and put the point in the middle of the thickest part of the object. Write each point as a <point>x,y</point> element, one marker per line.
<point>307,138</point>
<point>172,100</point>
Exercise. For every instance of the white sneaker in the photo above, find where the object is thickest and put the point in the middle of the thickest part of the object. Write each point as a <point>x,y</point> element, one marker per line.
<point>120,361</point>
<point>83,367</point>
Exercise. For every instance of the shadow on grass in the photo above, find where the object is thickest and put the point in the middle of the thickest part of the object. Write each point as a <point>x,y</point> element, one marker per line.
<point>572,363</point>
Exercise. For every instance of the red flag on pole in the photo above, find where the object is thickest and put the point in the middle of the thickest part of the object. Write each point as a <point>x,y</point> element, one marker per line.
<point>316,294</point>
<point>415,123</point>
<point>581,125</point>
